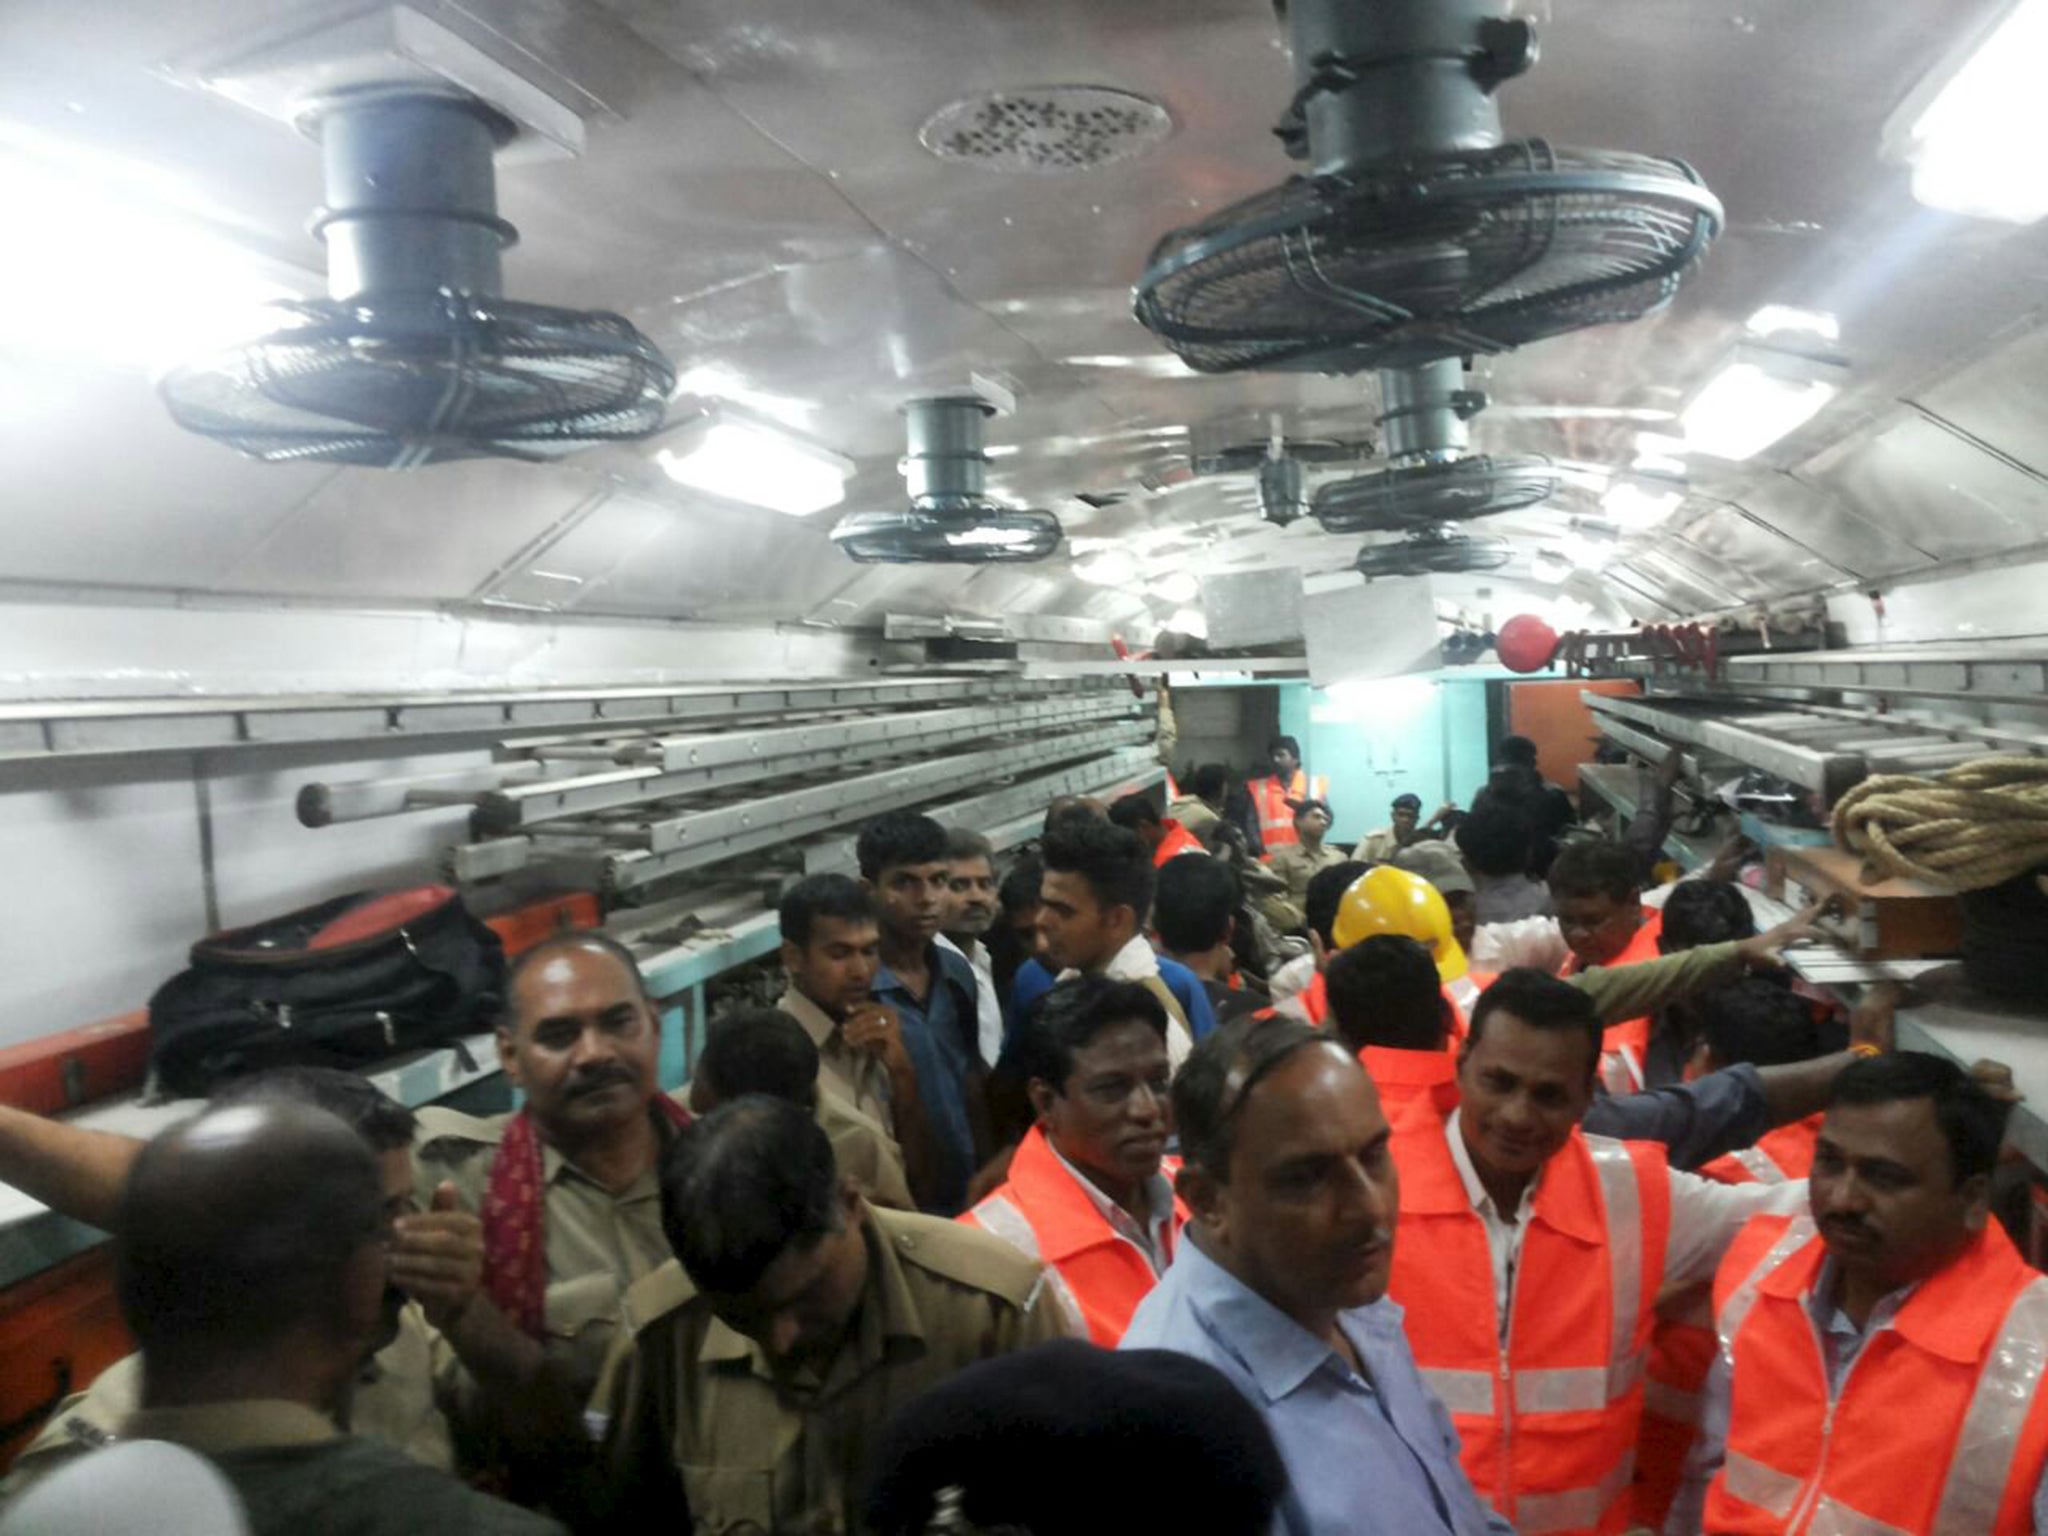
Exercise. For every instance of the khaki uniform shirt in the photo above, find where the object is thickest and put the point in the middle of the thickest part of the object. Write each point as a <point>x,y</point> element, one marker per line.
<point>400,1400</point>
<point>1194,813</point>
<point>865,1152</point>
<point>858,1077</point>
<point>688,1402</point>
<point>598,1243</point>
<point>297,1475</point>
<point>1294,864</point>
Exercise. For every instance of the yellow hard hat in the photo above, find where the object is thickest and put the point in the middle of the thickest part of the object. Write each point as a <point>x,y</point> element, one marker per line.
<point>1390,900</point>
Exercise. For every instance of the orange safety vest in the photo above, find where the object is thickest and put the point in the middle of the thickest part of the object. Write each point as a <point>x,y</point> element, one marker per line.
<point>1276,816</point>
<point>1546,1409</point>
<point>1097,1275</point>
<point>1625,1046</point>
<point>1404,1077</point>
<point>1311,1004</point>
<point>1463,996</point>
<point>1178,840</point>
<point>1682,1347</point>
<point>1941,1425</point>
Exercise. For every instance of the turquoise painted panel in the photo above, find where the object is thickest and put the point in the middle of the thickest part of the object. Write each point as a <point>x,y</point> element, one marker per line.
<point>1375,740</point>
<point>1465,735</point>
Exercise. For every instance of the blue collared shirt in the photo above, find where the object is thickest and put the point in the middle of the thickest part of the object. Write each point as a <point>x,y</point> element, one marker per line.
<point>939,1033</point>
<point>1373,1457</point>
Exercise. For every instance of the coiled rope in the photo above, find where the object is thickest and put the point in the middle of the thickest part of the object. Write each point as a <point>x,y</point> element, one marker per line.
<point>1976,825</point>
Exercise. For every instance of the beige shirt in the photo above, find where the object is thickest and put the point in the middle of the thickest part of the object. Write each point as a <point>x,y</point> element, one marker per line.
<point>864,1151</point>
<point>598,1243</point>
<point>401,1398</point>
<point>859,1077</point>
<point>687,1398</point>
<point>1294,864</point>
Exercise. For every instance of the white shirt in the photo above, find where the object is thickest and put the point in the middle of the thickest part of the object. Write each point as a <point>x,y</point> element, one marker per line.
<point>1705,1216</point>
<point>1137,961</point>
<point>988,1009</point>
<point>1155,1238</point>
<point>1537,941</point>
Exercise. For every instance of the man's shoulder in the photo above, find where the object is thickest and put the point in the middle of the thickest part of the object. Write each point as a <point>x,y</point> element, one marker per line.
<point>953,965</point>
<point>658,1294</point>
<point>395,1492</point>
<point>929,1247</point>
<point>440,1131</point>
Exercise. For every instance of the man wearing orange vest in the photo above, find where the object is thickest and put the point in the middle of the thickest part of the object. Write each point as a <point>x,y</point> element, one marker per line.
<point>1599,901</point>
<point>1765,1023</point>
<point>1388,1004</point>
<point>1274,797</point>
<point>1882,1357</point>
<point>1089,1192</point>
<point>1165,836</point>
<point>1531,1256</point>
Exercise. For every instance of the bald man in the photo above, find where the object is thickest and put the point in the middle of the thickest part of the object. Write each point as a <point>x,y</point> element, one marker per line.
<point>251,1267</point>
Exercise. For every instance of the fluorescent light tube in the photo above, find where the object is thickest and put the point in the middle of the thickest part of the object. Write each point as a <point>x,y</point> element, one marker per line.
<point>1787,320</point>
<point>1111,568</point>
<point>1636,510</point>
<point>1971,132</point>
<point>756,465</point>
<point>1744,409</point>
<point>1176,587</point>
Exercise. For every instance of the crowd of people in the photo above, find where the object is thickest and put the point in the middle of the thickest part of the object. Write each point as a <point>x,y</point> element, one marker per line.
<point>1179,1171</point>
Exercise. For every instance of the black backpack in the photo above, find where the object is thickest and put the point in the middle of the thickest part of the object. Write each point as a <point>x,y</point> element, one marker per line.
<point>264,996</point>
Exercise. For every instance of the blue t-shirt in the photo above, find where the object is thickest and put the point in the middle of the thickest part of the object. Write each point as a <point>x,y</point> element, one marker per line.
<point>1033,981</point>
<point>940,1035</point>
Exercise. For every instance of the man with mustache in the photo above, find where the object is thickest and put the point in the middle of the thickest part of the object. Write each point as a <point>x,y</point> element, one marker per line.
<point>1281,1283</point>
<point>1881,1355</point>
<point>566,1186</point>
<point>1532,1256</point>
<point>970,913</point>
<point>1088,1191</point>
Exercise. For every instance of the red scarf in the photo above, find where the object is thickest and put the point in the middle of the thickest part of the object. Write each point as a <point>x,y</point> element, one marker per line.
<point>515,1222</point>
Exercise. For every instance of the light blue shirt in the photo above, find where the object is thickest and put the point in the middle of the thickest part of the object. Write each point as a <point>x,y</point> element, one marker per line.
<point>1365,1457</point>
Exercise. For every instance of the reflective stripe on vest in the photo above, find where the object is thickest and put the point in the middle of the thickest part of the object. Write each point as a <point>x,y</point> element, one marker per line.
<point>1774,1492</point>
<point>1759,1165</point>
<point>1000,1218</point>
<point>1797,1234</point>
<point>2005,1396</point>
<point>1623,1197</point>
<point>1575,1509</point>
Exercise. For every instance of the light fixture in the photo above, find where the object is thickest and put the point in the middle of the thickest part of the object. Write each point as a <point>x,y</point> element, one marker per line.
<point>1758,397</point>
<point>116,261</point>
<point>1636,510</point>
<point>1587,554</point>
<point>1788,320</point>
<point>1657,464</point>
<point>1111,568</point>
<point>1548,565</point>
<point>1190,621</point>
<point>1970,129</point>
<point>1176,587</point>
<point>737,458</point>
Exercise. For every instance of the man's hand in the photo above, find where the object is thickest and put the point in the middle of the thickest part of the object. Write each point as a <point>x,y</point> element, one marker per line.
<point>437,1258</point>
<point>1763,952</point>
<point>1995,1078</point>
<point>876,1029</point>
<point>1874,1019</point>
<point>1672,768</point>
<point>1729,859</point>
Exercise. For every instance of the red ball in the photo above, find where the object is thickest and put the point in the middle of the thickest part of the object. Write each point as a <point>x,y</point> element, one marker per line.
<point>1526,644</point>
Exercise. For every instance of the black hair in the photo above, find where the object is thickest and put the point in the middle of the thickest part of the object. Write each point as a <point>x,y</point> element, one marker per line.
<point>1385,991</point>
<point>1303,807</point>
<point>1293,746</point>
<point>1408,803</point>
<point>1758,1020</point>
<point>839,897</point>
<point>1066,808</point>
<point>966,843</point>
<point>1595,867</point>
<point>742,1186</point>
<point>571,938</point>
<point>1020,888</point>
<point>1326,888</point>
<point>224,1251</point>
<point>1074,1013</point>
<point>384,1124</point>
<point>1971,1120</point>
<point>1116,865</point>
<point>1512,784</point>
<point>1196,898</point>
<point>1495,839</point>
<point>1541,1001</point>
<point>1211,781</point>
<point>1516,751</point>
<point>899,840</point>
<point>759,1050</point>
<point>1134,811</point>
<point>1218,1077</point>
<point>1704,912</point>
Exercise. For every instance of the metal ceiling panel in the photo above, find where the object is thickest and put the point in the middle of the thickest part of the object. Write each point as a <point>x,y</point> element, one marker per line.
<point>1937,491</point>
<point>1674,585</point>
<point>420,534</point>
<point>97,486</point>
<point>1827,525</point>
<point>2001,400</point>
<point>1774,565</point>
